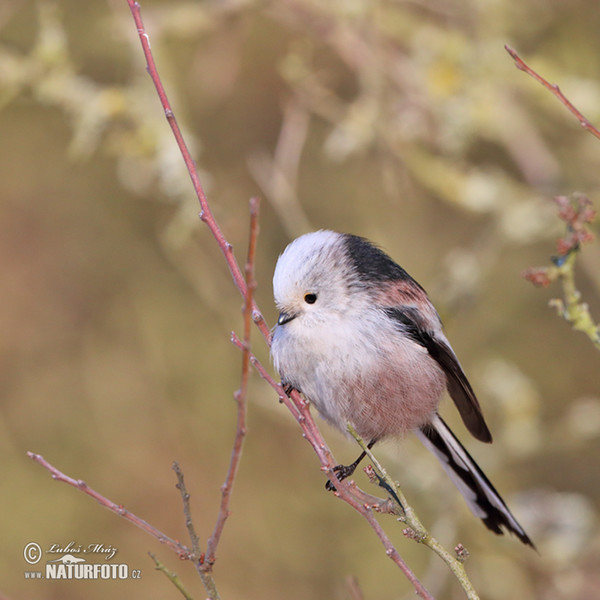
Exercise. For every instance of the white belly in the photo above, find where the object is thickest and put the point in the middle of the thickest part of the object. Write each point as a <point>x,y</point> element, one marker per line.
<point>383,384</point>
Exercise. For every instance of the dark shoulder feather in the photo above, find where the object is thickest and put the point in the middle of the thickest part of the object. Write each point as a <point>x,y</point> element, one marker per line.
<point>371,263</point>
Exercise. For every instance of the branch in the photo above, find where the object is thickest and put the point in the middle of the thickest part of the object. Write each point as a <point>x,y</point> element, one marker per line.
<point>577,213</point>
<point>554,89</point>
<point>187,513</point>
<point>182,551</point>
<point>206,214</point>
<point>297,405</point>
<point>240,395</point>
<point>198,557</point>
<point>416,530</point>
<point>346,490</point>
<point>172,577</point>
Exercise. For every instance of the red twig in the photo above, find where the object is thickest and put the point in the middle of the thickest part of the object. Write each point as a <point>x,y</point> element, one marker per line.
<point>205,212</point>
<point>346,490</point>
<point>554,89</point>
<point>296,404</point>
<point>183,551</point>
<point>240,394</point>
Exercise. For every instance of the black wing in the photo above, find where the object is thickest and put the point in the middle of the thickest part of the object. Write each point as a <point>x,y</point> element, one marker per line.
<point>458,385</point>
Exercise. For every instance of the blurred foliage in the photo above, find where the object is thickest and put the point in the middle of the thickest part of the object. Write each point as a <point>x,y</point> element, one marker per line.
<point>404,121</point>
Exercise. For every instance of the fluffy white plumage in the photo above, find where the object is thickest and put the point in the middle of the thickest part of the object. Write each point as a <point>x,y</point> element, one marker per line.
<point>361,340</point>
<point>342,351</point>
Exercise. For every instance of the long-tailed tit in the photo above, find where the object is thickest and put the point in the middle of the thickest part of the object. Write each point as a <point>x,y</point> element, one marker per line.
<point>358,336</point>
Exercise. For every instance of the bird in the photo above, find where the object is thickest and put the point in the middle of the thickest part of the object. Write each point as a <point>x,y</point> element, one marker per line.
<point>361,340</point>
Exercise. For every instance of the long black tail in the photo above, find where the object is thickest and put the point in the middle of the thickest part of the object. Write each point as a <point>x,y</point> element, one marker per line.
<point>481,496</point>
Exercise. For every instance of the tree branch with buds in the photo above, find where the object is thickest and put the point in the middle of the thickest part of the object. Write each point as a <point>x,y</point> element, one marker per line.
<point>297,405</point>
<point>365,504</point>
<point>554,89</point>
<point>577,212</point>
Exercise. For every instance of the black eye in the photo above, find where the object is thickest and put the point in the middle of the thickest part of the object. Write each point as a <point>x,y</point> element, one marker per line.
<point>310,298</point>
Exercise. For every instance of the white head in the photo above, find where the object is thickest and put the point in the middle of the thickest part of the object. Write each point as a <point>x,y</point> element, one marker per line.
<point>311,277</point>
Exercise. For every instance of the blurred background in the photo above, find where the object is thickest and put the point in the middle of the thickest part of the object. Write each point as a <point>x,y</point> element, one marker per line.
<point>402,121</point>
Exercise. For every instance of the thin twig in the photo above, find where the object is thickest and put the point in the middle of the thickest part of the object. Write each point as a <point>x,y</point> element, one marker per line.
<point>572,308</point>
<point>577,212</point>
<point>172,577</point>
<point>554,89</point>
<point>182,551</point>
<point>346,490</point>
<point>205,212</point>
<point>298,406</point>
<point>198,557</point>
<point>187,512</point>
<point>240,395</point>
<point>417,530</point>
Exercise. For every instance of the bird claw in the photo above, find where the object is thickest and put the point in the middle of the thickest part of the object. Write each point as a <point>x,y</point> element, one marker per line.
<point>341,473</point>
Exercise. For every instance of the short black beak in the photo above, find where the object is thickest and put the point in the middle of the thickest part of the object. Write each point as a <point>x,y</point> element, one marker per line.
<point>285,318</point>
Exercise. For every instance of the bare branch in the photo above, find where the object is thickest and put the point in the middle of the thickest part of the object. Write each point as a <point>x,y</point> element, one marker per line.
<point>185,497</point>
<point>198,557</point>
<point>240,395</point>
<point>172,577</point>
<point>554,89</point>
<point>346,490</point>
<point>416,530</point>
<point>182,551</point>
<point>205,212</point>
<point>577,214</point>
